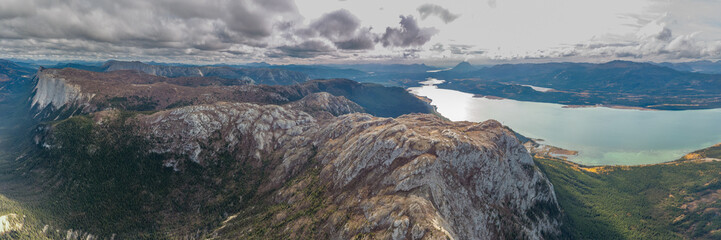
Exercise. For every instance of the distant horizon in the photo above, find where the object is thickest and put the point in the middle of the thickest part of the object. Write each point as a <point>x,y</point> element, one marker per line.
<point>446,65</point>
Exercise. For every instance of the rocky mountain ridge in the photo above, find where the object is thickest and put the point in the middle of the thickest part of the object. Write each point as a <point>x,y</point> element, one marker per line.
<point>224,160</point>
<point>413,177</point>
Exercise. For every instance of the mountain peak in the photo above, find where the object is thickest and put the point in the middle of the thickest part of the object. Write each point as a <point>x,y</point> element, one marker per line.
<point>463,67</point>
<point>258,64</point>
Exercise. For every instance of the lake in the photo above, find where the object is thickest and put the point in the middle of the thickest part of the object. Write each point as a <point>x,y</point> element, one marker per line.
<point>603,136</point>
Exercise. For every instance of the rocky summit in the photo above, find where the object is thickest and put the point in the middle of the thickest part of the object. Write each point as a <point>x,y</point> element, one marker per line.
<point>412,177</point>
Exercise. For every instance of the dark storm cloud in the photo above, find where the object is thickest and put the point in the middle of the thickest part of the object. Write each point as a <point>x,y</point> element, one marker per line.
<point>307,49</point>
<point>409,34</point>
<point>364,40</point>
<point>336,25</point>
<point>203,25</point>
<point>16,8</point>
<point>665,34</point>
<point>343,29</point>
<point>428,9</point>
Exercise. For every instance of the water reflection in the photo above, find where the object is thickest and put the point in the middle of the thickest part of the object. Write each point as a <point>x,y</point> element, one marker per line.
<point>603,136</point>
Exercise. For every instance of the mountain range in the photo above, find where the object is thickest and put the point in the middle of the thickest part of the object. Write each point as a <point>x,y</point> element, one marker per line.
<point>133,155</point>
<point>132,150</point>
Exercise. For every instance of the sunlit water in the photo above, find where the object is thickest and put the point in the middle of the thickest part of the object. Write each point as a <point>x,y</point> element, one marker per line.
<point>603,136</point>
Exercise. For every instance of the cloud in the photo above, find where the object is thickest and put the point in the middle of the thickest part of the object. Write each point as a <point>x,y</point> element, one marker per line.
<point>336,25</point>
<point>492,3</point>
<point>179,24</point>
<point>655,39</point>
<point>343,29</point>
<point>409,34</point>
<point>17,8</point>
<point>307,49</point>
<point>411,53</point>
<point>363,40</point>
<point>428,9</point>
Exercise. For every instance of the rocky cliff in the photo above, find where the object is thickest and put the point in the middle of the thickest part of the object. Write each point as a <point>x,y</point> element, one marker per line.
<point>55,91</point>
<point>414,177</point>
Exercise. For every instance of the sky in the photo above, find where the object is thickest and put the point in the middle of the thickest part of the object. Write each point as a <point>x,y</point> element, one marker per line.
<point>361,31</point>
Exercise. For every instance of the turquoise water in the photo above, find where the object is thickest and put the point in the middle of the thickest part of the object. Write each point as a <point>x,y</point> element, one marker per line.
<point>603,136</point>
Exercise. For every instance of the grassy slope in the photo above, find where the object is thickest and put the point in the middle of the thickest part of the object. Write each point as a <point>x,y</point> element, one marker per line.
<point>710,152</point>
<point>642,202</point>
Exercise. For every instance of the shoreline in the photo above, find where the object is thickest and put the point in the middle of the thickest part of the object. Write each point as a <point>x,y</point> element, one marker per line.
<point>550,151</point>
<point>611,106</point>
<point>489,97</point>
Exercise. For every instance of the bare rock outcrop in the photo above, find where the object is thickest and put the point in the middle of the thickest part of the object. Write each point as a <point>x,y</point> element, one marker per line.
<point>413,177</point>
<point>200,132</point>
<point>10,222</point>
<point>54,91</point>
<point>326,102</point>
<point>419,174</point>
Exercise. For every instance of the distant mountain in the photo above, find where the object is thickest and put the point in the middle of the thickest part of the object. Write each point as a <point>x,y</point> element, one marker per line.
<point>711,67</point>
<point>257,75</point>
<point>16,84</point>
<point>613,83</point>
<point>63,92</point>
<point>94,68</point>
<point>463,67</point>
<point>14,79</point>
<point>10,69</point>
<point>258,64</point>
<point>323,72</point>
<point>385,68</point>
<point>615,76</point>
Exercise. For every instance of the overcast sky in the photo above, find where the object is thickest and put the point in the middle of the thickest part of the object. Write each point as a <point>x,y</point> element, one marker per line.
<point>334,31</point>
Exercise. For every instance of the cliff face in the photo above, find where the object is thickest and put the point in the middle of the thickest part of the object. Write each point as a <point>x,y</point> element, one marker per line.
<point>413,177</point>
<point>55,91</point>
